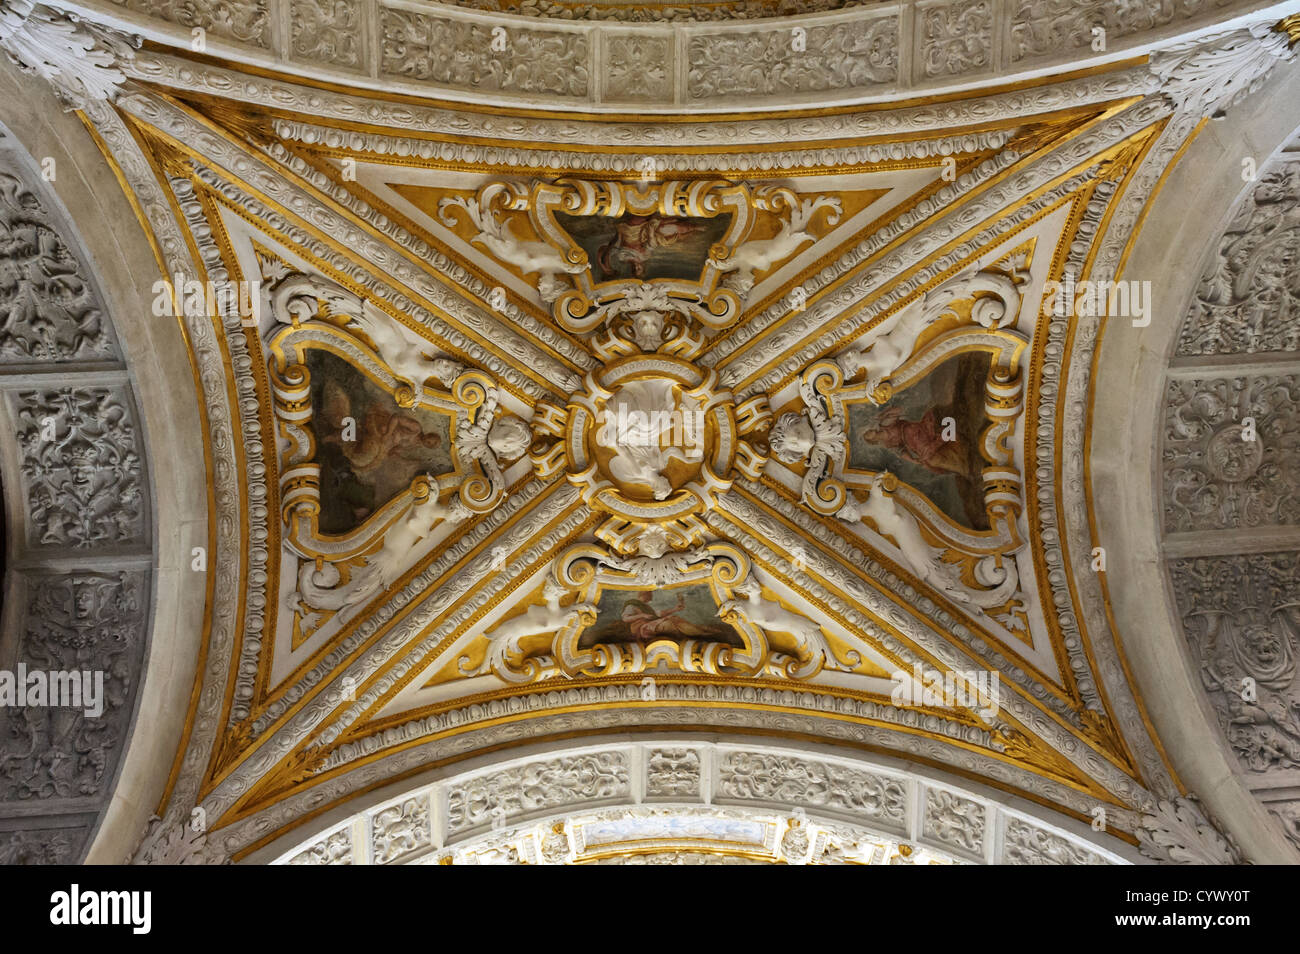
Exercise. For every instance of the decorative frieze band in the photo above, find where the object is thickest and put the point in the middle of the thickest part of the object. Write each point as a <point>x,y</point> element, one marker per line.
<point>490,815</point>
<point>498,51</point>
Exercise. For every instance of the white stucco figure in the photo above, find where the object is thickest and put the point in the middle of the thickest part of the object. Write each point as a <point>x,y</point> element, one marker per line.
<point>811,647</point>
<point>503,639</point>
<point>761,254</point>
<point>636,418</point>
<point>495,235</point>
<point>893,520</point>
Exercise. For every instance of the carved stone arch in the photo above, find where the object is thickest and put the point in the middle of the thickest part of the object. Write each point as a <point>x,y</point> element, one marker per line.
<point>1142,454</point>
<point>90,585</point>
<point>725,796</point>
<point>722,56</point>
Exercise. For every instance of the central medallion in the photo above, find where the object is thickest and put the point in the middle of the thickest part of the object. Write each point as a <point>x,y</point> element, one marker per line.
<point>652,441</point>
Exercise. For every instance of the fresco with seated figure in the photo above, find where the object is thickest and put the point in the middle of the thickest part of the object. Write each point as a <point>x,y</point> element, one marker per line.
<point>905,436</point>
<point>643,616</point>
<point>391,446</point>
<point>645,247</point>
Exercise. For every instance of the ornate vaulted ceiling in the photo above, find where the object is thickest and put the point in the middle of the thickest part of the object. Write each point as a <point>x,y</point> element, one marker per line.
<point>731,437</point>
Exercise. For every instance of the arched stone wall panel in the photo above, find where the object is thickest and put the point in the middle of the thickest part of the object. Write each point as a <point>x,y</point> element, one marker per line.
<point>851,809</point>
<point>93,512</point>
<point>1172,515</point>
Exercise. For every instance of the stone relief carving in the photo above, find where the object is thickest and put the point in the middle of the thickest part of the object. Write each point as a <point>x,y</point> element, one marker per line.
<point>537,786</point>
<point>673,773</point>
<point>327,30</point>
<point>639,68</point>
<point>1248,300</point>
<point>1041,27</point>
<point>1025,844</point>
<point>80,466</point>
<point>1241,616</point>
<point>334,849</point>
<point>1231,452</point>
<point>416,46</point>
<point>680,858</point>
<point>1178,832</point>
<point>852,815</point>
<point>683,10</point>
<point>81,546</point>
<point>49,307</point>
<point>798,781</point>
<point>87,622</point>
<point>954,820</point>
<point>401,829</point>
<point>80,59</point>
<point>856,54</point>
<point>1288,814</point>
<point>244,21</point>
<point>41,846</point>
<point>957,38</point>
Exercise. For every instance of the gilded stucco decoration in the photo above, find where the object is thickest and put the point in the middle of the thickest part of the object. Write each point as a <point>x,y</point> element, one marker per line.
<point>548,422</point>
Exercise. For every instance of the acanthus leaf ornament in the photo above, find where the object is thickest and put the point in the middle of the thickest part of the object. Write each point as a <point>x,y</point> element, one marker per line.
<point>80,59</point>
<point>1178,832</point>
<point>340,571</point>
<point>177,840</point>
<point>1207,76</point>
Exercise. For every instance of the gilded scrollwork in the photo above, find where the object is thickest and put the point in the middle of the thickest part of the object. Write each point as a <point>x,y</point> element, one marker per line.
<point>771,639</point>
<point>973,312</point>
<point>647,215</point>
<point>651,442</point>
<point>341,567</point>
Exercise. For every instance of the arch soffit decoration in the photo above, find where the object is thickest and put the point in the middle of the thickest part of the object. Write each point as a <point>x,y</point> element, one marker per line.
<point>79,582</point>
<point>326,701</point>
<point>99,539</point>
<point>637,58</point>
<point>1188,524</point>
<point>681,800</point>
